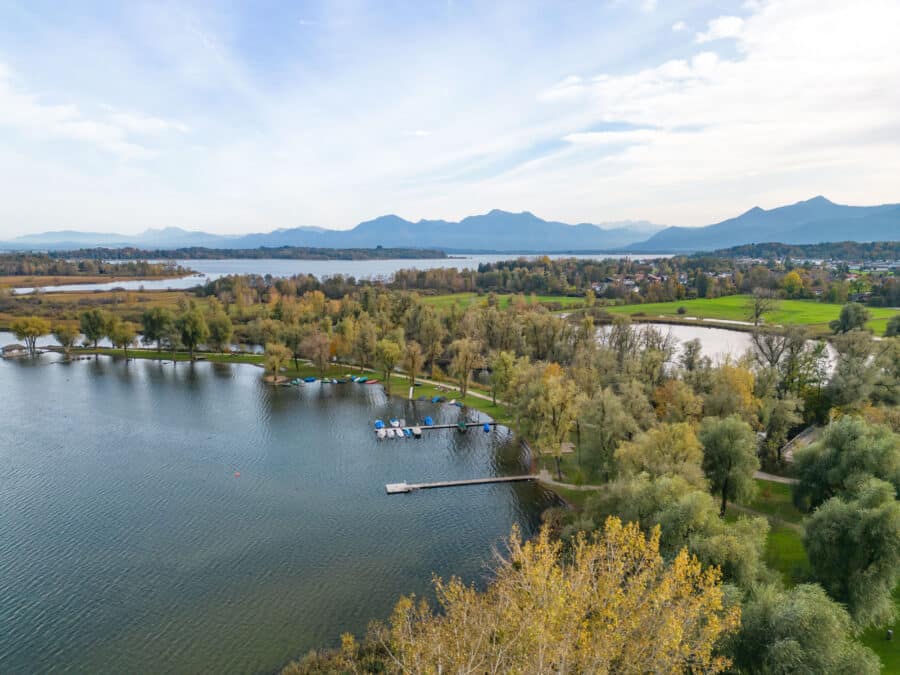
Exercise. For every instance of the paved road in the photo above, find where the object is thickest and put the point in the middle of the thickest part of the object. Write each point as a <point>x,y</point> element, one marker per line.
<point>771,477</point>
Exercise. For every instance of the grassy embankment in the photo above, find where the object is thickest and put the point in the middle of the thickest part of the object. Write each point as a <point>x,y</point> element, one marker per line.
<point>814,314</point>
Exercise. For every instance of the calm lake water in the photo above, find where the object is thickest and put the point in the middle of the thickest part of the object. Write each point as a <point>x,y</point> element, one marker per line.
<point>128,543</point>
<point>360,269</point>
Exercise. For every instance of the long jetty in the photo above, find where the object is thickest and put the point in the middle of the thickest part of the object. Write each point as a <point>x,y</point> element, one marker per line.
<point>400,488</point>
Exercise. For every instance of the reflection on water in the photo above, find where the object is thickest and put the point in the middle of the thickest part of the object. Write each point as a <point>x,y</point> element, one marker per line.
<point>128,543</point>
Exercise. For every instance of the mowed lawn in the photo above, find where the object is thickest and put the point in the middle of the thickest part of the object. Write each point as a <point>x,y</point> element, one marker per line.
<point>466,299</point>
<point>734,308</point>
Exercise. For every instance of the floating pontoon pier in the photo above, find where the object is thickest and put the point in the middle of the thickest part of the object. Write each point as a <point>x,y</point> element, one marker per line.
<point>400,488</point>
<point>426,427</point>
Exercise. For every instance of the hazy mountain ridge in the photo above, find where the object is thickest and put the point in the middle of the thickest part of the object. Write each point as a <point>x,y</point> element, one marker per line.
<point>813,221</point>
<point>497,231</point>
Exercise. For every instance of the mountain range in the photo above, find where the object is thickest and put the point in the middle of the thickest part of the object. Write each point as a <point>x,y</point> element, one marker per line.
<point>813,221</point>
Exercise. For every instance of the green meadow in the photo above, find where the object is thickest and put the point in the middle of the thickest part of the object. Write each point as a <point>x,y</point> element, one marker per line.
<point>734,308</point>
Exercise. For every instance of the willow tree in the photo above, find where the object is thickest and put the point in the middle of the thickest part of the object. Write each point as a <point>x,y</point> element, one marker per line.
<point>413,360</point>
<point>388,354</point>
<point>30,328</point>
<point>66,334</point>
<point>276,357</point>
<point>466,357</point>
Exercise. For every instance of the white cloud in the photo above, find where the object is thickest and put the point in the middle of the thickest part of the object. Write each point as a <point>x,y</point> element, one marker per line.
<point>721,28</point>
<point>679,26</point>
<point>648,6</point>
<point>606,138</point>
<point>109,131</point>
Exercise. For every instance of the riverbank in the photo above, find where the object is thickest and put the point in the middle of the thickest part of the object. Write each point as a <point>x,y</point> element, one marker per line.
<point>43,280</point>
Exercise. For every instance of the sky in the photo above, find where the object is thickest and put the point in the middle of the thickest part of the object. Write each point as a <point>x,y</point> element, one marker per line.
<point>251,116</point>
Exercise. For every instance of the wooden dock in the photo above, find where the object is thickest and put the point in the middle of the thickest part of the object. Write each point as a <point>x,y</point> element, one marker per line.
<point>469,425</point>
<point>400,488</point>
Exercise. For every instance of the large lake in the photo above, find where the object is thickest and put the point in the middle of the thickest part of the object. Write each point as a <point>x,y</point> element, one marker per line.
<point>360,269</point>
<point>128,543</point>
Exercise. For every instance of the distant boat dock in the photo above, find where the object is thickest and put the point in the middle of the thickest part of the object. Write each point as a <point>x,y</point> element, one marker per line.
<point>401,488</point>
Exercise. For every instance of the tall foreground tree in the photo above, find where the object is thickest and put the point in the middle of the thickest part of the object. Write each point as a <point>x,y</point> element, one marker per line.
<point>413,360</point>
<point>66,334</point>
<point>853,317</point>
<point>849,452</point>
<point>220,330</point>
<point>760,303</point>
<point>388,354</point>
<point>192,328</point>
<point>854,550</point>
<point>800,630</point>
<point>93,324</point>
<point>547,405</point>
<point>466,357</point>
<point>29,329</point>
<point>729,458</point>
<point>665,450</point>
<point>276,357</point>
<point>613,606</point>
<point>122,334</point>
<point>155,324</point>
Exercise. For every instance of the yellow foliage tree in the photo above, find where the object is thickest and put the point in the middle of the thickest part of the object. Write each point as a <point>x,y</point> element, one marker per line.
<point>612,605</point>
<point>665,450</point>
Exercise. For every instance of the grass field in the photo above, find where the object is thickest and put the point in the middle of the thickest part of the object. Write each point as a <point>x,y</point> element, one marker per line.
<point>888,651</point>
<point>734,308</point>
<point>466,299</point>
<point>774,499</point>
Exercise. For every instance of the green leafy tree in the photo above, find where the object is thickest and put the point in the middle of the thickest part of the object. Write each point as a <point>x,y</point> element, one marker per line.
<point>849,453</point>
<point>220,330</point>
<point>366,341</point>
<point>413,360</point>
<point>192,329</point>
<point>503,366</point>
<point>466,357</point>
<point>388,354</point>
<point>665,450</point>
<point>854,550</point>
<point>797,630</point>
<point>606,424</point>
<point>855,373</point>
<point>93,324</point>
<point>277,356</point>
<point>760,303</point>
<point>156,322</point>
<point>66,334</point>
<point>853,317</point>
<point>29,329</point>
<point>122,334</point>
<point>780,415</point>
<point>729,458</point>
<point>893,326</point>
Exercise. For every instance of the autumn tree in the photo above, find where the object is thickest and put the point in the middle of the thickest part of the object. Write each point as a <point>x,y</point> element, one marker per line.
<point>729,458</point>
<point>121,334</point>
<point>277,357</point>
<point>760,303</point>
<point>29,329</point>
<point>366,341</point>
<point>665,450</point>
<point>676,401</point>
<point>317,348</point>
<point>388,354</point>
<point>502,364</point>
<point>613,605</point>
<point>466,357</point>
<point>547,404</point>
<point>413,360</point>
<point>66,334</point>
